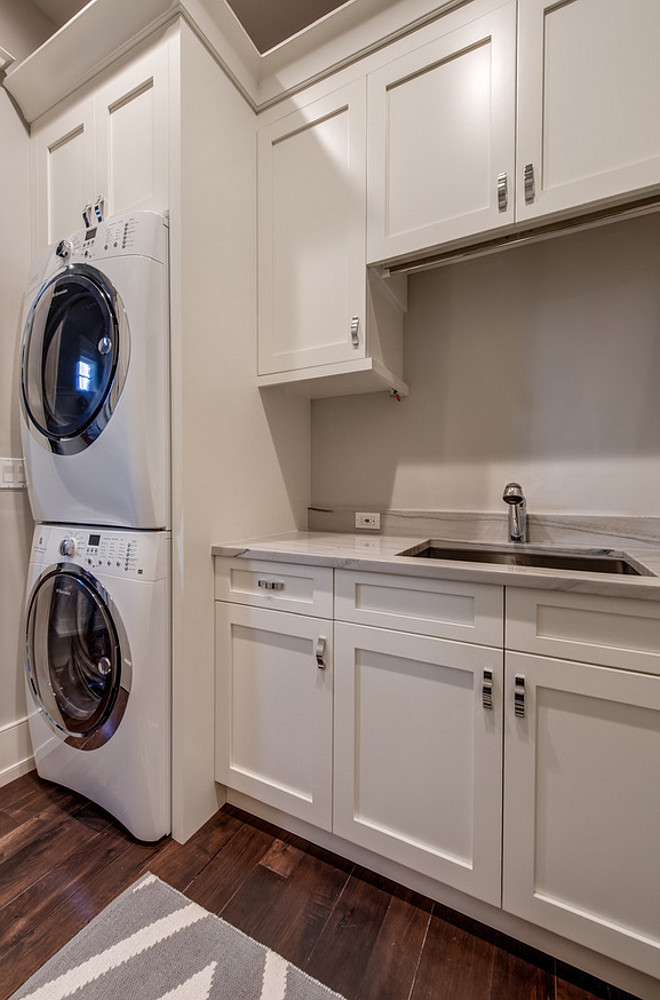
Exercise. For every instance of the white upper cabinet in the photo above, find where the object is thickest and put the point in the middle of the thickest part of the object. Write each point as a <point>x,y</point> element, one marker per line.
<point>311,233</point>
<point>441,135</point>
<point>588,103</point>
<point>64,162</point>
<point>320,318</point>
<point>112,143</point>
<point>132,131</point>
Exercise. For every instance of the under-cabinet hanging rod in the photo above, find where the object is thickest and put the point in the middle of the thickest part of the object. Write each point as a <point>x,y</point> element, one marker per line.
<point>589,220</point>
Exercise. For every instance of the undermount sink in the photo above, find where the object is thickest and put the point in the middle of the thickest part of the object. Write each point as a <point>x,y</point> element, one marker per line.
<point>514,554</point>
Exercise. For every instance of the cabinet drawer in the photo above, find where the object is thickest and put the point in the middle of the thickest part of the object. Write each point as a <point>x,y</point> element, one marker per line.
<point>302,589</point>
<point>611,631</point>
<point>470,612</point>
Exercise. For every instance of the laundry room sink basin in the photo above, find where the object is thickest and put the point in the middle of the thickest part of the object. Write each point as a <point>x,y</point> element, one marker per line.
<point>580,560</point>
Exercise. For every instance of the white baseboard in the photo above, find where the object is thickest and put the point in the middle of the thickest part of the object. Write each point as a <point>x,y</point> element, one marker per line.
<point>16,756</point>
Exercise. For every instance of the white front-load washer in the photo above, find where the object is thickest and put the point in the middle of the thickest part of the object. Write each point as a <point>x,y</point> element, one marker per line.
<point>97,645</point>
<point>95,377</point>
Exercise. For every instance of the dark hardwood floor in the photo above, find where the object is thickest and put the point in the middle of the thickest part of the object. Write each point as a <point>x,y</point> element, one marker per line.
<point>62,860</point>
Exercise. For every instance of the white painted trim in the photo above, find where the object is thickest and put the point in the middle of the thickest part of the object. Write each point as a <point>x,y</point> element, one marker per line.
<point>6,59</point>
<point>96,36</point>
<point>105,29</point>
<point>16,756</point>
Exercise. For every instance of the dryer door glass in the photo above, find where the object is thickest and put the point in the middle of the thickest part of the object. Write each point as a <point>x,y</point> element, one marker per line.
<point>70,353</point>
<point>74,660</point>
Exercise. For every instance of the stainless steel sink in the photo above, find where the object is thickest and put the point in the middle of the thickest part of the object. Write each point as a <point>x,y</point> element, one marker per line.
<point>582,560</point>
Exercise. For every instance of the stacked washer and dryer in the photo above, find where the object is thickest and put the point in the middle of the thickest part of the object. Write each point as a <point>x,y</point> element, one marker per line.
<point>95,407</point>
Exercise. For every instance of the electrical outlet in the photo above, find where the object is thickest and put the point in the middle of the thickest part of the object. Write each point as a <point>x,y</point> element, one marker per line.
<point>371,521</point>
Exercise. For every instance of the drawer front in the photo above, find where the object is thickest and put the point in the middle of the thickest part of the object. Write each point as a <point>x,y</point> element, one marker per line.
<point>305,590</point>
<point>469,612</point>
<point>611,631</point>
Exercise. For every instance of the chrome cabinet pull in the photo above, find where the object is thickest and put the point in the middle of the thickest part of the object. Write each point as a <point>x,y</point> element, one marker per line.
<point>519,696</point>
<point>270,584</point>
<point>530,187</point>
<point>355,331</point>
<point>319,652</point>
<point>487,689</point>
<point>502,192</point>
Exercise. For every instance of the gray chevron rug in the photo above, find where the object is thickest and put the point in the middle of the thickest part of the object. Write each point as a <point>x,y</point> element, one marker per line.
<point>151,943</point>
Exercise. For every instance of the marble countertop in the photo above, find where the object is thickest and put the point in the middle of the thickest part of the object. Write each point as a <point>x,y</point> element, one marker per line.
<point>380,553</point>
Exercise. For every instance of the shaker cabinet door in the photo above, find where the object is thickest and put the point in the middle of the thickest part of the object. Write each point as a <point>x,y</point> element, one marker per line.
<point>132,135</point>
<point>581,811</point>
<point>274,709</point>
<point>312,234</point>
<point>441,125</point>
<point>418,753</point>
<point>588,103</point>
<point>64,168</point>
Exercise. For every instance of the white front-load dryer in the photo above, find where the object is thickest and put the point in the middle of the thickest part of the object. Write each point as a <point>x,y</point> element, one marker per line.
<point>95,377</point>
<point>98,669</point>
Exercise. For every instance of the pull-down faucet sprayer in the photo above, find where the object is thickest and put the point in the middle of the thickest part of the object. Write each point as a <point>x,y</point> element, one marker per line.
<point>514,497</point>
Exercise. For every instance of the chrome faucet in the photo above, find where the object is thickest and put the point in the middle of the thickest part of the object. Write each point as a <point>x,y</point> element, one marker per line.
<point>514,497</point>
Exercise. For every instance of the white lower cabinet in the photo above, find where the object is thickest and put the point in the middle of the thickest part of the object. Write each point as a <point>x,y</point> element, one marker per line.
<point>418,753</point>
<point>581,805</point>
<point>524,779</point>
<point>274,709</point>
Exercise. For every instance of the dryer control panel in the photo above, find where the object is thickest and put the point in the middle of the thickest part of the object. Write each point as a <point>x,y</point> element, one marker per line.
<point>104,551</point>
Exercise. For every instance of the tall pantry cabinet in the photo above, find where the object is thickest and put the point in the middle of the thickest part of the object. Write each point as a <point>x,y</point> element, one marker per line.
<point>164,128</point>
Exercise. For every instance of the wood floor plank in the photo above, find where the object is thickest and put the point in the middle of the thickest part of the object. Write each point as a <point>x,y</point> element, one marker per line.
<point>570,991</point>
<point>282,858</point>
<point>215,833</point>
<point>36,902</point>
<point>342,952</point>
<point>288,914</point>
<point>221,878</point>
<point>34,795</point>
<point>38,855</point>
<point>455,965</point>
<point>37,945</point>
<point>516,979</point>
<point>178,865</point>
<point>7,824</point>
<point>393,962</point>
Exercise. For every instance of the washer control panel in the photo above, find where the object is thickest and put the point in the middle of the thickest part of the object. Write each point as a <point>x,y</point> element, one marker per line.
<point>104,551</point>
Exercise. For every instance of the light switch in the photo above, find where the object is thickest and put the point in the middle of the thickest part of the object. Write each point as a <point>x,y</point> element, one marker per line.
<point>12,474</point>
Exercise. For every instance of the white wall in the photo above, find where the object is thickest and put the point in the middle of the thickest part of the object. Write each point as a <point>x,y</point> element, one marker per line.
<point>18,35</point>
<point>540,364</point>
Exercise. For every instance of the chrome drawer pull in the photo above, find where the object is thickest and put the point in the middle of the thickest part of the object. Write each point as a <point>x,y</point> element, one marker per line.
<point>519,696</point>
<point>355,331</point>
<point>319,652</point>
<point>502,192</point>
<point>487,689</point>
<point>270,584</point>
<point>530,187</point>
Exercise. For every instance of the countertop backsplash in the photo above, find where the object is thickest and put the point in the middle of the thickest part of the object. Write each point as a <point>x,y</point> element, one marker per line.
<point>491,526</point>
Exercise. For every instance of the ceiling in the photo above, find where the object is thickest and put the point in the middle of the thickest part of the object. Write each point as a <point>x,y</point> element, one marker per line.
<point>267,22</point>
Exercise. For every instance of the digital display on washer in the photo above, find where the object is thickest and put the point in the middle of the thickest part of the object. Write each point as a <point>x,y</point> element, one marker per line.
<point>93,539</point>
<point>90,234</point>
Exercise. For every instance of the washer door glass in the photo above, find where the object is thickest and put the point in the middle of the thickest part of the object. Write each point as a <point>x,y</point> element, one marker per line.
<point>73,654</point>
<point>70,354</point>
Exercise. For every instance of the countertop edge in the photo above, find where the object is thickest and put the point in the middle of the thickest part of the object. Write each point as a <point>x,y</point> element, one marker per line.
<point>379,556</point>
